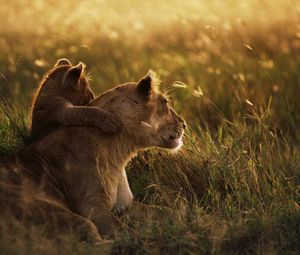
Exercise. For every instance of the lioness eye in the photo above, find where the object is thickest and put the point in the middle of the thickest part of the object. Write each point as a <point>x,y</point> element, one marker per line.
<point>136,102</point>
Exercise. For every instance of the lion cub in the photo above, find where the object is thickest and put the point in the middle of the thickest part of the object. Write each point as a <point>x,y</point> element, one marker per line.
<point>61,100</point>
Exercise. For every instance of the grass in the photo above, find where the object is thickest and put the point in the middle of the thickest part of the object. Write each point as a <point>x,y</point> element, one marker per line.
<point>235,185</point>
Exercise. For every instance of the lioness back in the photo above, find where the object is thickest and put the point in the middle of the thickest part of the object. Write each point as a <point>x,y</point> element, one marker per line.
<point>61,100</point>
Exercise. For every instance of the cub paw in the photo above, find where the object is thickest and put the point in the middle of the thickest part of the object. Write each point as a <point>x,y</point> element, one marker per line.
<point>110,124</point>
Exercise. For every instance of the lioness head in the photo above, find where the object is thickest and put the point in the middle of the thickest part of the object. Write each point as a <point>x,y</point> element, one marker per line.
<point>70,82</point>
<point>145,113</point>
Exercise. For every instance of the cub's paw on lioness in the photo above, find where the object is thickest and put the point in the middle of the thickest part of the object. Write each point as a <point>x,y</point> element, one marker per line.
<point>61,99</point>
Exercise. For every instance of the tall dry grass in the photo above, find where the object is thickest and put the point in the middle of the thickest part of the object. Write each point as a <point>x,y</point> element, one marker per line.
<point>232,69</point>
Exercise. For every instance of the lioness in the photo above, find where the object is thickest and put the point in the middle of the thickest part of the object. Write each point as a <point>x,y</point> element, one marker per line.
<point>61,99</point>
<point>76,175</point>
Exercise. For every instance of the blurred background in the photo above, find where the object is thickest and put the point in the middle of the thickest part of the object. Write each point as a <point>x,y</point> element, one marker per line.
<point>232,69</point>
<point>222,57</point>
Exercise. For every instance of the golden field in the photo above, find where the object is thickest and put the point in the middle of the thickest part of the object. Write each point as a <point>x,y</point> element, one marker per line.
<point>232,70</point>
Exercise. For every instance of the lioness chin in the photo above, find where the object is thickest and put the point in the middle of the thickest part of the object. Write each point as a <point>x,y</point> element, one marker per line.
<point>75,176</point>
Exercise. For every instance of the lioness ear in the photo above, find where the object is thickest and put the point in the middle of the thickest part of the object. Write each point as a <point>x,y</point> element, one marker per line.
<point>144,86</point>
<point>62,62</point>
<point>72,76</point>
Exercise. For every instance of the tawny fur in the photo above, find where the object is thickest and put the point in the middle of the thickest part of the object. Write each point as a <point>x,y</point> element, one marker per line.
<point>61,99</point>
<point>76,175</point>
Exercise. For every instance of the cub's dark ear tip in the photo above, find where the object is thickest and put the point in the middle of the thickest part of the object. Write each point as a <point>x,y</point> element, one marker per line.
<point>63,61</point>
<point>80,66</point>
<point>72,76</point>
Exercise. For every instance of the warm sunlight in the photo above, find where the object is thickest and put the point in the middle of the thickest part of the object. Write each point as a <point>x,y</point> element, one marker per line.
<point>133,16</point>
<point>99,157</point>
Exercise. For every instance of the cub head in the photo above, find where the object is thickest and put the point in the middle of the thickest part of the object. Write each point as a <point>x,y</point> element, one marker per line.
<point>145,113</point>
<point>69,82</point>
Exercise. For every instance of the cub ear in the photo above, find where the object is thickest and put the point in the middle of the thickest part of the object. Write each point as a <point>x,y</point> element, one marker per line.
<point>72,76</point>
<point>62,62</point>
<point>144,86</point>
